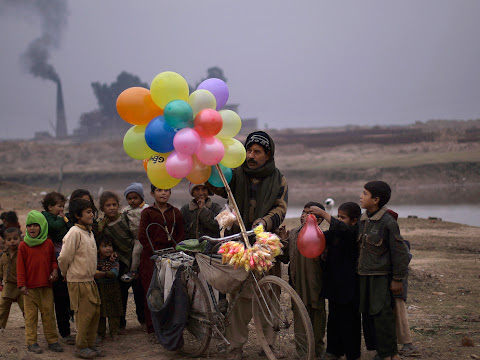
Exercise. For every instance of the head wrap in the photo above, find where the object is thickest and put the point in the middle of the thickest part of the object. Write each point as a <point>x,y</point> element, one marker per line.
<point>261,138</point>
<point>36,217</point>
<point>136,188</point>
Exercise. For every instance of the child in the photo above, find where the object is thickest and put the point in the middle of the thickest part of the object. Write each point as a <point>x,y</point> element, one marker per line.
<point>167,232</point>
<point>8,273</point>
<point>78,263</point>
<point>136,204</point>
<point>36,271</point>
<point>54,206</point>
<point>11,220</point>
<point>82,194</point>
<point>340,282</point>
<point>108,288</point>
<point>382,265</point>
<point>115,225</point>
<point>306,278</point>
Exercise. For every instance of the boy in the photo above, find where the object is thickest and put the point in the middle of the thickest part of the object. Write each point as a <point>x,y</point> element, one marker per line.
<point>167,233</point>
<point>36,271</point>
<point>78,263</point>
<point>54,206</point>
<point>8,273</point>
<point>382,265</point>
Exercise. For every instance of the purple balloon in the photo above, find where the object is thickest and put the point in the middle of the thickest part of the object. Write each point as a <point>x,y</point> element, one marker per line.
<point>178,165</point>
<point>186,141</point>
<point>210,151</point>
<point>218,88</point>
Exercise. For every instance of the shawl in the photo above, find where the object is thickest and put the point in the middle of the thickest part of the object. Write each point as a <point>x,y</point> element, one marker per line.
<point>36,217</point>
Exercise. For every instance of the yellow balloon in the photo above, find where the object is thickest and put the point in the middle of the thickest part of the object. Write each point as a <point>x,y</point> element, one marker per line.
<point>235,153</point>
<point>168,86</point>
<point>200,100</point>
<point>157,174</point>
<point>231,124</point>
<point>134,143</point>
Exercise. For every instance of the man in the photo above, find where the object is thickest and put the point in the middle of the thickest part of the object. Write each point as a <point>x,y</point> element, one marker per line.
<point>261,193</point>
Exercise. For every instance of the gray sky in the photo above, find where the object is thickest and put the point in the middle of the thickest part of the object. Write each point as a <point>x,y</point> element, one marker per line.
<point>290,63</point>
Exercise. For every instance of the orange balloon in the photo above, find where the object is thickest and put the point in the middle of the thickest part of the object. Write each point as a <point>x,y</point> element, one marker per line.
<point>200,172</point>
<point>135,106</point>
<point>145,163</point>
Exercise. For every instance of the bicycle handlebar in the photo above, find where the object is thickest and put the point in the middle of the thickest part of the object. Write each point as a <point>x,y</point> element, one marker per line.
<point>226,238</point>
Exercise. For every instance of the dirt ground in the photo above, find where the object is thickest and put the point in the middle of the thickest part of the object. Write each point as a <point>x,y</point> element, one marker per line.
<point>443,304</point>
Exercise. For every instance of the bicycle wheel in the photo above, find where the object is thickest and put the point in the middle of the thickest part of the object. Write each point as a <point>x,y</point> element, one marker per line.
<point>281,320</point>
<point>198,332</point>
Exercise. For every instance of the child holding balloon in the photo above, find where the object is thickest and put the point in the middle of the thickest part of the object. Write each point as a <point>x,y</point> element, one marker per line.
<point>340,284</point>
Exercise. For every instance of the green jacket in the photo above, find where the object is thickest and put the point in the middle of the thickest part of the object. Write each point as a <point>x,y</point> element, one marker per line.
<point>199,222</point>
<point>382,250</point>
<point>57,227</point>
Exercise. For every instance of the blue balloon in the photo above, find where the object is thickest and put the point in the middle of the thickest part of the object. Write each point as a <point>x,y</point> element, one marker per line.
<point>159,135</point>
<point>215,178</point>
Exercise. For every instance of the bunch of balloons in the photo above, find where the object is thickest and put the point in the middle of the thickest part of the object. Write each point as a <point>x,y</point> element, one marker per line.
<point>178,134</point>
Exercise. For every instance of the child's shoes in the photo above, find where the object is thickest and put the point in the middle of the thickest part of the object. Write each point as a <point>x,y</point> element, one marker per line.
<point>35,348</point>
<point>69,340</point>
<point>129,277</point>
<point>100,352</point>
<point>85,353</point>
<point>114,337</point>
<point>55,347</point>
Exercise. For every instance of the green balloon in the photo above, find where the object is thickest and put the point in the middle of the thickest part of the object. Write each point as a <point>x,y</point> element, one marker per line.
<point>178,114</point>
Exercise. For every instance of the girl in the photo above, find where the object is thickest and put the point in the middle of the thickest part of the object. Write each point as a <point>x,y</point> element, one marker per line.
<point>340,282</point>
<point>115,225</point>
<point>78,263</point>
<point>108,288</point>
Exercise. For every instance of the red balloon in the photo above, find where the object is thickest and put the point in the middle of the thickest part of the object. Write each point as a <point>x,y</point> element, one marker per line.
<point>208,122</point>
<point>311,240</point>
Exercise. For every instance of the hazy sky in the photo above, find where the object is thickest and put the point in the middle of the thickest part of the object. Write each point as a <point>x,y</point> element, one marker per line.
<point>289,63</point>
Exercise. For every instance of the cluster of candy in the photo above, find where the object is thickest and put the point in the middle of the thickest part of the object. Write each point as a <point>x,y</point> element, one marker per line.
<point>259,257</point>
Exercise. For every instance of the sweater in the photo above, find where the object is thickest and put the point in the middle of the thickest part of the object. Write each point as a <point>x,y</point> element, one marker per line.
<point>35,264</point>
<point>57,227</point>
<point>78,258</point>
<point>133,217</point>
<point>199,222</point>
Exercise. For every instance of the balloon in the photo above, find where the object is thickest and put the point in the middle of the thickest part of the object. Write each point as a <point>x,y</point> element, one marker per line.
<point>134,143</point>
<point>157,174</point>
<point>235,153</point>
<point>135,106</point>
<point>145,163</point>
<point>178,114</point>
<point>186,141</point>
<point>168,86</point>
<point>210,151</point>
<point>218,88</point>
<point>231,124</point>
<point>159,135</point>
<point>311,240</point>
<point>200,100</point>
<point>215,178</point>
<point>200,172</point>
<point>208,122</point>
<point>178,165</point>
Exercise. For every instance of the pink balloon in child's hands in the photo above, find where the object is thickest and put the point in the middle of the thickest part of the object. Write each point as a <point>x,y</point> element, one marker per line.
<point>311,240</point>
<point>178,165</point>
<point>186,141</point>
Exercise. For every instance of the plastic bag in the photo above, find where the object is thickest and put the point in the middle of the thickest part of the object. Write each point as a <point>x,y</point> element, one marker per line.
<point>226,218</point>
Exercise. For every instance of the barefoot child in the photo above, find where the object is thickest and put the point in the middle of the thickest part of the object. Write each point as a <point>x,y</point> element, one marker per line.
<point>8,274</point>
<point>36,271</point>
<point>78,263</point>
<point>135,198</point>
<point>108,288</point>
<point>54,207</point>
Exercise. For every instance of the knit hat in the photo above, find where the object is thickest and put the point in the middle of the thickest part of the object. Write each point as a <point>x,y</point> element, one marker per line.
<point>136,188</point>
<point>259,137</point>
<point>191,187</point>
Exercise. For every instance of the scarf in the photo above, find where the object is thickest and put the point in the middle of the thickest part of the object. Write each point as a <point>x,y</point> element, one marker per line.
<point>105,221</point>
<point>36,217</point>
<point>267,192</point>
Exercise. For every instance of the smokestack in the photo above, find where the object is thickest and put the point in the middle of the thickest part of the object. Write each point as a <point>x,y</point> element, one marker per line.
<point>61,128</point>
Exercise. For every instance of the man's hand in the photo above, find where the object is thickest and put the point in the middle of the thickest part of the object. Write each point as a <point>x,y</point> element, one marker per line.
<point>282,233</point>
<point>24,290</point>
<point>53,276</point>
<point>396,287</point>
<point>201,202</point>
<point>259,221</point>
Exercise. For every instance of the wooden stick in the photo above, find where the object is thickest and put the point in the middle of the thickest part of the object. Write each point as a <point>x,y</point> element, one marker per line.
<point>235,207</point>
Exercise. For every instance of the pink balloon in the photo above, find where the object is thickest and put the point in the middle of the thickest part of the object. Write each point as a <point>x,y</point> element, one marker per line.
<point>210,151</point>
<point>178,165</point>
<point>186,141</point>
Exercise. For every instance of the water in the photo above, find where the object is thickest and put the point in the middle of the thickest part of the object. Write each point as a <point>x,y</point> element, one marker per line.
<point>461,213</point>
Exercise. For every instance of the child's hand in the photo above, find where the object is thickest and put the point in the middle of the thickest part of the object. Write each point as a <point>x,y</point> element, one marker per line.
<point>99,274</point>
<point>282,233</point>
<point>53,276</point>
<point>396,287</point>
<point>24,290</point>
<point>113,257</point>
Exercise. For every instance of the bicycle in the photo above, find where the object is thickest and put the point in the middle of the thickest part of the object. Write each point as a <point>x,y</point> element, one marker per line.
<point>274,303</point>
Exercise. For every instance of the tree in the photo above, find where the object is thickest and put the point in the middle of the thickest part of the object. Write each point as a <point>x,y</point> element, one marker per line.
<point>213,72</point>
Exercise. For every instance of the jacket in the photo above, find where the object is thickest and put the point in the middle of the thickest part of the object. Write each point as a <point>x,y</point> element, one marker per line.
<point>199,222</point>
<point>382,250</point>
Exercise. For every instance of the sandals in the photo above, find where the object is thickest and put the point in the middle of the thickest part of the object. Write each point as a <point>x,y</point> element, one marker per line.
<point>85,353</point>
<point>129,277</point>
